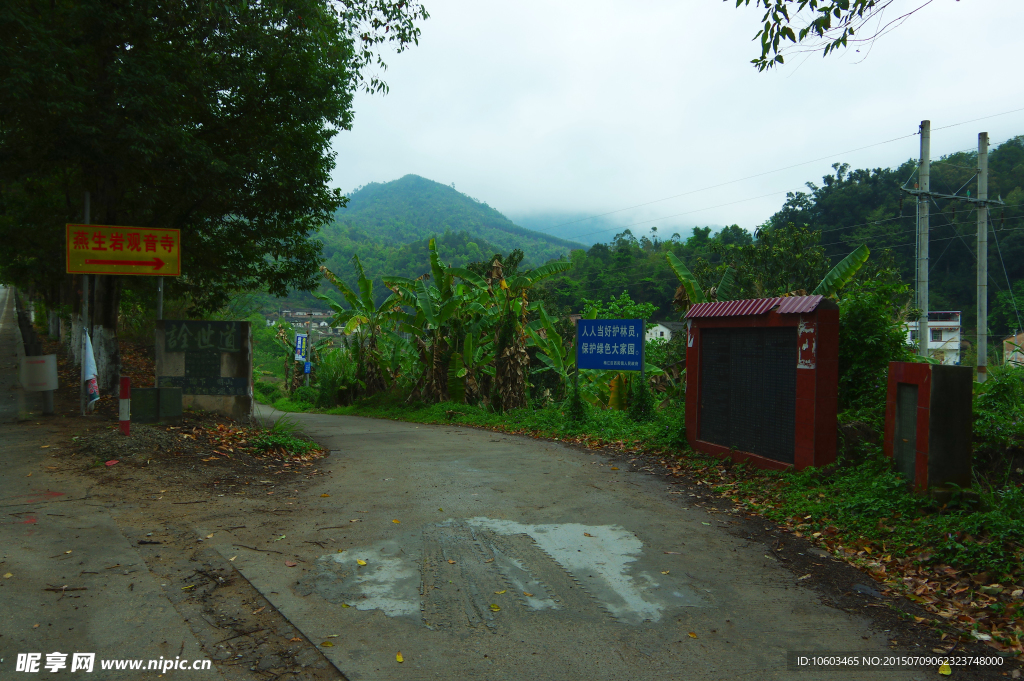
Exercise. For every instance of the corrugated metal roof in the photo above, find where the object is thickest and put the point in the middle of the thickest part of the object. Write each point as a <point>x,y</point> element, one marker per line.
<point>799,304</point>
<point>755,306</point>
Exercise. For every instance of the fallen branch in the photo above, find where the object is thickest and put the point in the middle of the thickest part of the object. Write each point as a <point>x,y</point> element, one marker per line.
<point>253,548</point>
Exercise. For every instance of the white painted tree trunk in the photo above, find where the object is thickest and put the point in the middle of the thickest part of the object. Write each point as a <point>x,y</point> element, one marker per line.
<point>108,358</point>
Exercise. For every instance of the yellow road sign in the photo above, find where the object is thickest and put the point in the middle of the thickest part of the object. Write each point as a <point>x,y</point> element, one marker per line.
<point>104,249</point>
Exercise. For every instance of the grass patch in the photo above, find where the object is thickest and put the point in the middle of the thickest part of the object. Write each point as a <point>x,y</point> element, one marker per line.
<point>663,431</point>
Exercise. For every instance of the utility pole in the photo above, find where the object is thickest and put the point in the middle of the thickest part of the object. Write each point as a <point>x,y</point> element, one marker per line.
<point>924,186</point>
<point>924,195</point>
<point>982,256</point>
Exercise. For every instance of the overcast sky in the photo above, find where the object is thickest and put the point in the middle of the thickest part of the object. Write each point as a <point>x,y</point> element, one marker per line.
<point>567,108</point>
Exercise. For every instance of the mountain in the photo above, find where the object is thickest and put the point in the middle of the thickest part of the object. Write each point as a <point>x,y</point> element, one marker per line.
<point>389,224</point>
<point>414,208</point>
<point>590,230</point>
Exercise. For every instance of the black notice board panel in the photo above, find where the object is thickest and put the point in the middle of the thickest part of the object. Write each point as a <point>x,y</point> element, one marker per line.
<point>205,364</point>
<point>206,385</point>
<point>748,390</point>
<point>190,336</point>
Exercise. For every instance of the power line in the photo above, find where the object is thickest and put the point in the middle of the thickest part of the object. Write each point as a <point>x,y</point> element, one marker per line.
<point>762,174</point>
<point>1009,285</point>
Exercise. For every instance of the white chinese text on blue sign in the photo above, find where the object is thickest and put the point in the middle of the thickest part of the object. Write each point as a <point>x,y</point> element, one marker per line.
<point>610,344</point>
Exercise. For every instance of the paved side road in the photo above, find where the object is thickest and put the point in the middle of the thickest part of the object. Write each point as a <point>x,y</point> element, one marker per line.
<point>52,536</point>
<point>485,556</point>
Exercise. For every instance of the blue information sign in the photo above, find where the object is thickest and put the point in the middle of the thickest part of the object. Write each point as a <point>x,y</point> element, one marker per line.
<point>610,344</point>
<point>306,368</point>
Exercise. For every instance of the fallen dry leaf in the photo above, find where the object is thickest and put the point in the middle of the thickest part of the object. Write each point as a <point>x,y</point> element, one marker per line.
<point>290,563</point>
<point>363,562</point>
<point>587,534</point>
<point>664,572</point>
<point>692,635</point>
<point>396,521</point>
<point>35,626</point>
<point>399,656</point>
<point>501,592</point>
<point>325,494</point>
<point>489,560</point>
<point>259,610</point>
<point>111,462</point>
<point>327,644</point>
<point>355,520</point>
<point>43,446</point>
<point>527,593</point>
<point>615,468</point>
<point>209,536</point>
<point>804,577</point>
<point>293,640</point>
<point>451,561</point>
<point>232,558</point>
<point>8,575</point>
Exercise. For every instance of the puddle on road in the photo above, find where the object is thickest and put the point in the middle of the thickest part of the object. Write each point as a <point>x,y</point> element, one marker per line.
<point>447,572</point>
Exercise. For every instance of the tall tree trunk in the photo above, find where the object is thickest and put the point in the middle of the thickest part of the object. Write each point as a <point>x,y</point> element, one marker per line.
<point>511,363</point>
<point>103,314</point>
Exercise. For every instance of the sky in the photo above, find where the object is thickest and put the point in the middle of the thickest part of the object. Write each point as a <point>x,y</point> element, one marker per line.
<point>552,111</point>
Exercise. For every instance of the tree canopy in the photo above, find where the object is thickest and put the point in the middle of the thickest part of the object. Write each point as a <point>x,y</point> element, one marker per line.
<point>828,25</point>
<point>215,119</point>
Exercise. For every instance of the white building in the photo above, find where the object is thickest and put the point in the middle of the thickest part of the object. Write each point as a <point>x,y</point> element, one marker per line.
<point>665,330</point>
<point>943,336</point>
<point>1013,350</point>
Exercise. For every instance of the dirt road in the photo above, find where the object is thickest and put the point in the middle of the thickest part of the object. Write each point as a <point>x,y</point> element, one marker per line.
<point>472,554</point>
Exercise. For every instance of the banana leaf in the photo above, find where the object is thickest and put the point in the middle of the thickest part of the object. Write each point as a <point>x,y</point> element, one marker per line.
<point>841,274</point>
<point>618,392</point>
<point>687,279</point>
<point>724,289</point>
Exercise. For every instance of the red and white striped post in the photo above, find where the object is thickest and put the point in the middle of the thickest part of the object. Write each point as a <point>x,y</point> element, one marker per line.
<point>125,407</point>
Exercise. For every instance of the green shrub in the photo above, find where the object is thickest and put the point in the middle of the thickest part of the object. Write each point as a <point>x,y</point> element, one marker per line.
<point>575,407</point>
<point>872,309</point>
<point>270,441</point>
<point>641,401</point>
<point>305,394</point>
<point>267,393</point>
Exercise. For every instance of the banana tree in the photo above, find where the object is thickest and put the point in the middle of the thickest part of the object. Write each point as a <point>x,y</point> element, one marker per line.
<point>511,362</point>
<point>438,313</point>
<point>366,320</point>
<point>551,347</point>
<point>690,293</point>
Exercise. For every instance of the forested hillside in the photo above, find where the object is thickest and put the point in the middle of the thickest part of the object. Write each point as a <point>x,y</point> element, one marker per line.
<point>848,208</point>
<point>388,225</point>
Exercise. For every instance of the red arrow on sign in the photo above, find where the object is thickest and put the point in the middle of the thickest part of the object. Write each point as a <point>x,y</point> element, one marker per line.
<point>157,263</point>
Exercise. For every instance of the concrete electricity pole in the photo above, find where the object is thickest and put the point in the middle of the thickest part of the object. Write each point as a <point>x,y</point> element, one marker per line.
<point>982,256</point>
<point>924,186</point>
<point>924,195</point>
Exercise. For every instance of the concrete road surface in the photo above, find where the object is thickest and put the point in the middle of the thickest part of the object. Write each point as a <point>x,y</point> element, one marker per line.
<point>484,556</point>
